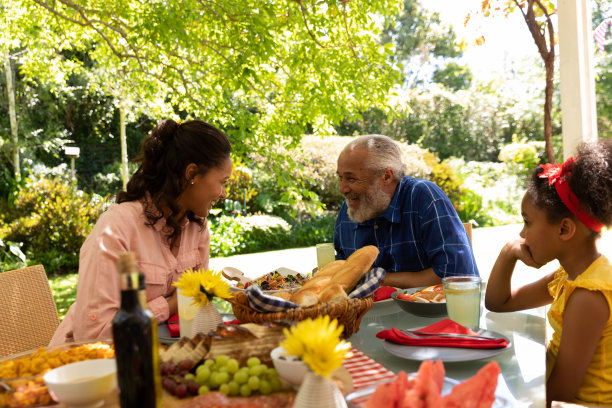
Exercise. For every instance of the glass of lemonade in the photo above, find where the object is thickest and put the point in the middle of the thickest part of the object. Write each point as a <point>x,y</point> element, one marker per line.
<point>186,312</point>
<point>326,253</point>
<point>463,299</point>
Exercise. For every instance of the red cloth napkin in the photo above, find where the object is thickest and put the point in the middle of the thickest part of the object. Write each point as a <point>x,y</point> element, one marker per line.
<point>384,292</point>
<point>443,326</point>
<point>173,326</point>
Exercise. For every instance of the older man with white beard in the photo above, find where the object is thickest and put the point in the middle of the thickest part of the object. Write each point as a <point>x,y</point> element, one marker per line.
<point>412,222</point>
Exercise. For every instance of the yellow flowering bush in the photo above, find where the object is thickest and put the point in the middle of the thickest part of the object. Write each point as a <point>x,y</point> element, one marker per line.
<point>202,285</point>
<point>317,343</point>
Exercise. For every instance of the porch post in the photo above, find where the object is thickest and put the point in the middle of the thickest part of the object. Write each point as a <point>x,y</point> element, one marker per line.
<point>577,83</point>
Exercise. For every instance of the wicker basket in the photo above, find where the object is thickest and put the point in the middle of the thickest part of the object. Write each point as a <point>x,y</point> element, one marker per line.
<point>348,313</point>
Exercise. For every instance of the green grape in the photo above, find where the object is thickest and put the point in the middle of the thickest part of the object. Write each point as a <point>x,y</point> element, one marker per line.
<point>253,361</point>
<point>254,382</point>
<point>241,377</point>
<point>257,370</point>
<point>203,390</point>
<point>271,373</point>
<point>276,384</point>
<point>222,360</point>
<point>223,369</point>
<point>222,378</point>
<point>234,388</point>
<point>202,375</point>
<point>232,365</point>
<point>265,387</point>
<point>209,362</point>
<point>190,376</point>
<point>224,388</point>
<point>245,391</point>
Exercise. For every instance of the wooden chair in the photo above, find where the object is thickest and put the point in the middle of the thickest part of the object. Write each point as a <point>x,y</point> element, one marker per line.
<point>28,316</point>
<point>468,229</point>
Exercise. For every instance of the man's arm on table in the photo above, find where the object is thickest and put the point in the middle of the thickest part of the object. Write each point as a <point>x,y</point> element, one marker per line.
<point>417,279</point>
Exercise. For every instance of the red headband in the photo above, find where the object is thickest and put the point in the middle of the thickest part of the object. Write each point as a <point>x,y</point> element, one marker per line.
<point>557,174</point>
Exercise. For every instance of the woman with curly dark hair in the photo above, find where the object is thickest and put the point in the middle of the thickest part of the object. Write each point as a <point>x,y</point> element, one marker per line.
<point>564,210</point>
<point>161,217</point>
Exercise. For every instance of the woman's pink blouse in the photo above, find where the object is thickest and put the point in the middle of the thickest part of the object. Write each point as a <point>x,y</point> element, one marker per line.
<point>123,228</point>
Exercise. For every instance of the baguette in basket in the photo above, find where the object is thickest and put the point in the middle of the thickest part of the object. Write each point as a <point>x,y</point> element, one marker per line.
<point>336,279</point>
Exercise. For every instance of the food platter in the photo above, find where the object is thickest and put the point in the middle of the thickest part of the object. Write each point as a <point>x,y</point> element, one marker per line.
<point>357,398</point>
<point>29,389</point>
<point>268,282</point>
<point>446,354</point>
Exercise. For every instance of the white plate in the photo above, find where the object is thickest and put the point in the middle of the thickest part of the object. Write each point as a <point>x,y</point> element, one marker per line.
<point>501,401</point>
<point>446,354</point>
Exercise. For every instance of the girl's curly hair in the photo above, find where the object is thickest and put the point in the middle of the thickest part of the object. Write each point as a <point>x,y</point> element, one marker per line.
<point>163,158</point>
<point>590,180</point>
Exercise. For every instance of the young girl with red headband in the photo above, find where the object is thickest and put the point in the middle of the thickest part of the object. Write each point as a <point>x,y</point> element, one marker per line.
<point>564,209</point>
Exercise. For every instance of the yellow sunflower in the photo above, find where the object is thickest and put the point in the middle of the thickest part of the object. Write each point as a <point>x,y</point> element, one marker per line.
<point>202,286</point>
<point>317,343</point>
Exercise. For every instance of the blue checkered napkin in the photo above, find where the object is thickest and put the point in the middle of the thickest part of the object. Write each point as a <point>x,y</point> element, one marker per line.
<point>368,284</point>
<point>265,303</point>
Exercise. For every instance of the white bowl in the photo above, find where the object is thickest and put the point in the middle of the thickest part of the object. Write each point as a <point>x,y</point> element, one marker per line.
<point>288,367</point>
<point>82,384</point>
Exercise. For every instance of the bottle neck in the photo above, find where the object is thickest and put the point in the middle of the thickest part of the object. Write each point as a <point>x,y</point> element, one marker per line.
<point>133,290</point>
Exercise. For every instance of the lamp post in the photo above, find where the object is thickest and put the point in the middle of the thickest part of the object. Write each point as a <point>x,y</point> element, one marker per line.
<point>72,152</point>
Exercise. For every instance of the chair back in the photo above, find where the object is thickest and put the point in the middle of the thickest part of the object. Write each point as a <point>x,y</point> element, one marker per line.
<point>468,229</point>
<point>28,316</point>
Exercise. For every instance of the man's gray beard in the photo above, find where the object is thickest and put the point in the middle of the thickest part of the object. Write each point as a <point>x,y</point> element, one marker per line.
<point>373,202</point>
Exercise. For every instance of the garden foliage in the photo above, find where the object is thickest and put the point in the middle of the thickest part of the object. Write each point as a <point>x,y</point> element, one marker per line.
<point>51,217</point>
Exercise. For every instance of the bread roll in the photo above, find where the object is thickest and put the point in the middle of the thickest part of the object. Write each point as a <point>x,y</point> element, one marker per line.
<point>331,268</point>
<point>305,298</point>
<point>333,293</point>
<point>282,294</point>
<point>357,265</point>
<point>316,284</point>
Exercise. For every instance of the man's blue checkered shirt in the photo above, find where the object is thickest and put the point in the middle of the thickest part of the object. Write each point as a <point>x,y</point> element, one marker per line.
<point>420,229</point>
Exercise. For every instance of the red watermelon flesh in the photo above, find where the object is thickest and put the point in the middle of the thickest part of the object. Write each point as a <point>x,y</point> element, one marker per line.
<point>477,391</point>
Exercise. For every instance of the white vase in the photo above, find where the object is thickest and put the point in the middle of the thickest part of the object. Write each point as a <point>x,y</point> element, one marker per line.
<point>318,392</point>
<point>207,318</point>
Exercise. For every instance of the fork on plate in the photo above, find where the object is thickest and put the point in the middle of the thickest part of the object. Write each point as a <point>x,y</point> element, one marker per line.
<point>420,335</point>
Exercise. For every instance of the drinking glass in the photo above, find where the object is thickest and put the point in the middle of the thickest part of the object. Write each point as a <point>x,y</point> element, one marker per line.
<point>463,299</point>
<point>186,313</point>
<point>326,253</point>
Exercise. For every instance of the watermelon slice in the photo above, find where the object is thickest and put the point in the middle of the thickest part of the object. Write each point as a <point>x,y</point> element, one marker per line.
<point>427,386</point>
<point>477,391</point>
<point>388,395</point>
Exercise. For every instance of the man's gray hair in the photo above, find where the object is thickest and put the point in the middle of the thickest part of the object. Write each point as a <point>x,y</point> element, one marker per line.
<point>383,151</point>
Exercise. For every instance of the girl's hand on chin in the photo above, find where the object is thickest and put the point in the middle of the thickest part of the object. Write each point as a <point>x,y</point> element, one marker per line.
<point>522,252</point>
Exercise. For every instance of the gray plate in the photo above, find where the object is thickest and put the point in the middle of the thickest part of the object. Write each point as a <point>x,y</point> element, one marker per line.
<point>446,354</point>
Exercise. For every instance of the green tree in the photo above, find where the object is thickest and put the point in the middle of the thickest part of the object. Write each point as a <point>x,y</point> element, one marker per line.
<point>538,17</point>
<point>454,76</point>
<point>420,39</point>
<point>263,71</point>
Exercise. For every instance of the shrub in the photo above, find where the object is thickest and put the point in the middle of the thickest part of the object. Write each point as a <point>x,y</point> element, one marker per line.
<point>52,218</point>
<point>241,235</point>
<point>521,157</point>
<point>232,235</point>
<point>239,186</point>
<point>309,231</point>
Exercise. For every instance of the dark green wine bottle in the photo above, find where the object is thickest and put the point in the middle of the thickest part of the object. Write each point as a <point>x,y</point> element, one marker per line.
<point>136,342</point>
